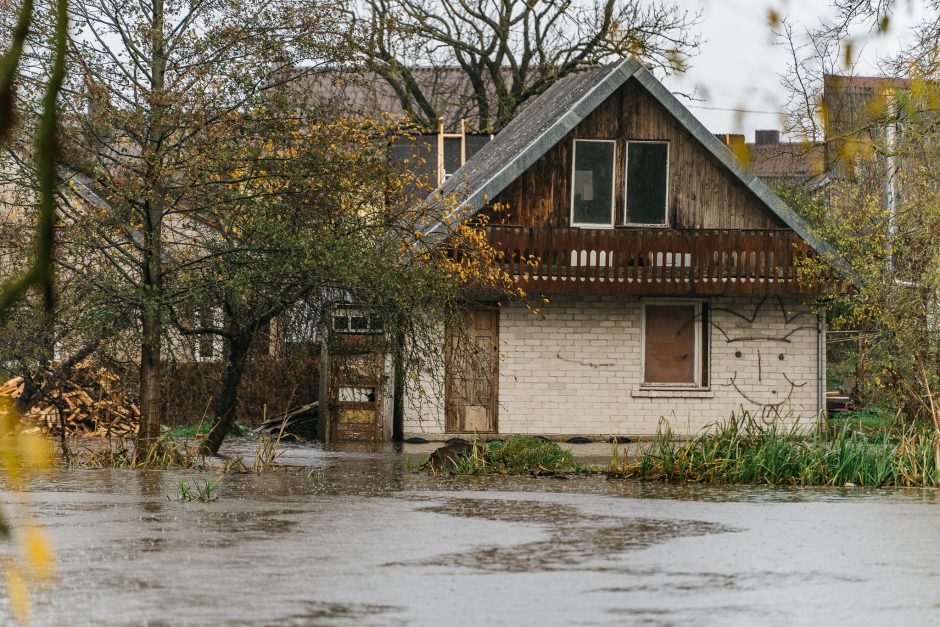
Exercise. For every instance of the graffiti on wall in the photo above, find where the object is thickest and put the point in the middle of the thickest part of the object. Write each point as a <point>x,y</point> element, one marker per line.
<point>762,374</point>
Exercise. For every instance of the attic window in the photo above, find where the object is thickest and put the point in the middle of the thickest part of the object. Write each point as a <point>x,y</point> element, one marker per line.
<point>453,151</point>
<point>674,344</point>
<point>592,183</point>
<point>350,320</point>
<point>647,182</point>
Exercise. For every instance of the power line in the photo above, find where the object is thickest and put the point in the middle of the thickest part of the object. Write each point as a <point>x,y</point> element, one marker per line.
<point>734,110</point>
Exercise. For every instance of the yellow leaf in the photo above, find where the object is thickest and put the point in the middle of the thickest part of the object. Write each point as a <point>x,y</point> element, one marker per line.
<point>38,552</point>
<point>36,450</point>
<point>773,18</point>
<point>18,593</point>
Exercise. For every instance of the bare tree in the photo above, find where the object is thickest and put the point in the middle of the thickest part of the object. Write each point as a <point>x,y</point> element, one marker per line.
<point>812,56</point>
<point>504,52</point>
<point>158,88</point>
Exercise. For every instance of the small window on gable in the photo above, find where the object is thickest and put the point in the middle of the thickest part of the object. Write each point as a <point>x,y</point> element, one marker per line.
<point>592,182</point>
<point>351,320</point>
<point>674,343</point>
<point>453,149</point>
<point>647,182</point>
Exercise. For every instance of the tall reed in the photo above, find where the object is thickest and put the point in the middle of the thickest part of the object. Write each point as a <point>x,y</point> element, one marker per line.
<point>742,450</point>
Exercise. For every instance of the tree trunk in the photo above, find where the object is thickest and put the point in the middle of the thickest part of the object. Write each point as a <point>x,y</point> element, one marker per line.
<point>238,348</point>
<point>151,346</point>
<point>150,378</point>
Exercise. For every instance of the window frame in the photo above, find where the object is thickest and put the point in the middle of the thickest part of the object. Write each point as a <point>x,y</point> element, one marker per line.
<point>666,223</point>
<point>349,312</point>
<point>613,186</point>
<point>701,339</point>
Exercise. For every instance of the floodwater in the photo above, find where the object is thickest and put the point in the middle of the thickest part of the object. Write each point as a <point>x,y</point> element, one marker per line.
<point>362,540</point>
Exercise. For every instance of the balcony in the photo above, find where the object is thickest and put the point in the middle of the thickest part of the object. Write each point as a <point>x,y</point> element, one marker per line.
<point>652,261</point>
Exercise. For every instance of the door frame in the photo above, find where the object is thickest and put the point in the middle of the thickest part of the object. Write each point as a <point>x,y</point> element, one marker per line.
<point>368,432</point>
<point>450,420</point>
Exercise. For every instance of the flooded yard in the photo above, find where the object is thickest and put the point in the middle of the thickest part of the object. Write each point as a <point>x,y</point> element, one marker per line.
<point>357,538</point>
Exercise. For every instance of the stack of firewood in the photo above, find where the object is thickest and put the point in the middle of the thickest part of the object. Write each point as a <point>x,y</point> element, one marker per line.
<point>90,401</point>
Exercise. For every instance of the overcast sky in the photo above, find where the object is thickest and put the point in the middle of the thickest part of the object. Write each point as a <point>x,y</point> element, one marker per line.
<point>739,66</point>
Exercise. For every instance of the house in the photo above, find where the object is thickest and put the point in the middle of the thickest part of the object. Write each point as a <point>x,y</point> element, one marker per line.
<point>779,163</point>
<point>667,287</point>
<point>860,111</point>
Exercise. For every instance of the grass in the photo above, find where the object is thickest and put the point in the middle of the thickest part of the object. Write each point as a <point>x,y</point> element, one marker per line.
<point>163,454</point>
<point>743,451</point>
<point>238,430</point>
<point>870,421</point>
<point>197,492</point>
<point>268,451</point>
<point>516,455</point>
<point>166,454</point>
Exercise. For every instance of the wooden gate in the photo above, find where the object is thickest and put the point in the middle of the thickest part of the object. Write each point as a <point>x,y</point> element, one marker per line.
<point>471,393</point>
<point>355,397</point>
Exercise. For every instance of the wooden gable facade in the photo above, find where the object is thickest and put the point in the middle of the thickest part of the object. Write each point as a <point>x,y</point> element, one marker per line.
<point>724,231</point>
<point>702,192</point>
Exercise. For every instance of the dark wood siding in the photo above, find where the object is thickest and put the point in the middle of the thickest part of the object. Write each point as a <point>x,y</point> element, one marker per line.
<point>703,194</point>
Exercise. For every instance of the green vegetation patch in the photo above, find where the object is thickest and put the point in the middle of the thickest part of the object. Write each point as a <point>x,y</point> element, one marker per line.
<point>525,454</point>
<point>869,421</point>
<point>191,431</point>
<point>196,491</point>
<point>516,455</point>
<point>744,451</point>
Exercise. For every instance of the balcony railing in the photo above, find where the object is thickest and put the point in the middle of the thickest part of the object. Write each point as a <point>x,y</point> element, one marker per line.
<point>652,261</point>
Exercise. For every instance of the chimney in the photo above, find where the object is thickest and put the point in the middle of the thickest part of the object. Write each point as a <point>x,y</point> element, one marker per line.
<point>763,138</point>
<point>730,139</point>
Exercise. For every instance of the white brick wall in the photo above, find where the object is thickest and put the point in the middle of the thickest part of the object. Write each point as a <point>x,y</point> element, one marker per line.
<point>575,369</point>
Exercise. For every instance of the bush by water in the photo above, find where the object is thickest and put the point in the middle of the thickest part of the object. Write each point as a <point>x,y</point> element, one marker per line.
<point>741,450</point>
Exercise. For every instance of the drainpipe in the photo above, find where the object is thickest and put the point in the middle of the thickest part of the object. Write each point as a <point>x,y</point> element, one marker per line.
<point>323,420</point>
<point>398,389</point>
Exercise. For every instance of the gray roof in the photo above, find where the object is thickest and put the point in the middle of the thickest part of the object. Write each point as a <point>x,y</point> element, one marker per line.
<point>555,113</point>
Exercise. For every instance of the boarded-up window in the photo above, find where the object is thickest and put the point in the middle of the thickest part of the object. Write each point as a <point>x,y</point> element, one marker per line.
<point>647,181</point>
<point>673,344</point>
<point>592,194</point>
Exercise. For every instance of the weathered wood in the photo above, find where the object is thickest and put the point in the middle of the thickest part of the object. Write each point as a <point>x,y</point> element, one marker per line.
<point>702,193</point>
<point>652,261</point>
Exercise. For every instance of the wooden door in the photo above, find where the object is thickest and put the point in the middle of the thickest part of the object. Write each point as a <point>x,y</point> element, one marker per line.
<point>355,397</point>
<point>471,387</point>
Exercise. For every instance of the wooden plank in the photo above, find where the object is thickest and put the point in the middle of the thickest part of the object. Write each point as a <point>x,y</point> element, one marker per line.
<point>652,261</point>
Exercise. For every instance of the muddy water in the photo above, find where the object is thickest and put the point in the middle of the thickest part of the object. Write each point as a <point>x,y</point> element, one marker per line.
<point>363,541</point>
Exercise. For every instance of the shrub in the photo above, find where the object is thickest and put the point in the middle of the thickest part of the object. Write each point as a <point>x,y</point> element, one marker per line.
<point>516,455</point>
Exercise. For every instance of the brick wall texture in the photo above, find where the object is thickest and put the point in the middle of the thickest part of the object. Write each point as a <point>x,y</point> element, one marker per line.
<point>575,368</point>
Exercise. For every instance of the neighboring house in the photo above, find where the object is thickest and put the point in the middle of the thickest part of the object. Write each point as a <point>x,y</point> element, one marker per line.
<point>779,164</point>
<point>363,92</point>
<point>431,158</point>
<point>859,110</point>
<point>667,288</point>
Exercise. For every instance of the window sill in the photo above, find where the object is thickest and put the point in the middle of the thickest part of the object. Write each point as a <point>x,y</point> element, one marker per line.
<point>672,392</point>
